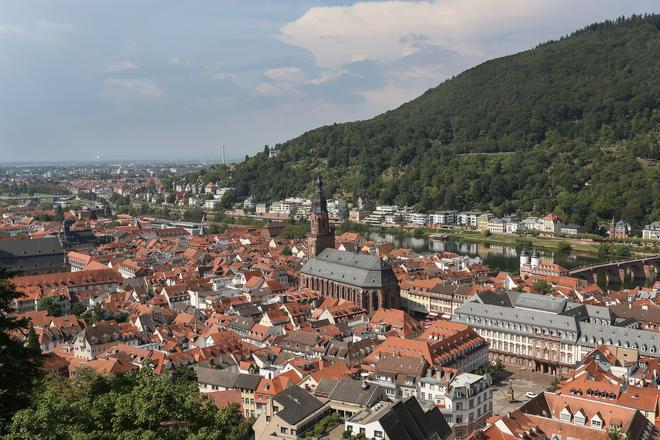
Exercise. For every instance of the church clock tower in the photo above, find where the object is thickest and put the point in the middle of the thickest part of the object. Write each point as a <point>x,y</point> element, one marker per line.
<point>322,235</point>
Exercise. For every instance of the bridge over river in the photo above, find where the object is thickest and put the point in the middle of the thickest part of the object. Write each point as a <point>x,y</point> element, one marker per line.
<point>615,271</point>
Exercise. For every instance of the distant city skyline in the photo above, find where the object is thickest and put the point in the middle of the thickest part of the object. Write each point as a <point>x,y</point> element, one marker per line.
<point>164,80</point>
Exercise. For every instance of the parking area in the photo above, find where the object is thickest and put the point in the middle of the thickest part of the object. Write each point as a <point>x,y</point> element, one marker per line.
<point>522,382</point>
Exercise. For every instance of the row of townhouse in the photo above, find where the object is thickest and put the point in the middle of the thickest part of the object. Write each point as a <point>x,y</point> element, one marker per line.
<point>435,298</point>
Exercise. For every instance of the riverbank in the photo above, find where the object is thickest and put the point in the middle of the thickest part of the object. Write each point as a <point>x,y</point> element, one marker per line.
<point>621,249</point>
<point>548,243</point>
<point>552,243</point>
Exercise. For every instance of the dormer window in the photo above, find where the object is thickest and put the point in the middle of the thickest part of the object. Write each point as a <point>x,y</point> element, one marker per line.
<point>565,415</point>
<point>596,421</point>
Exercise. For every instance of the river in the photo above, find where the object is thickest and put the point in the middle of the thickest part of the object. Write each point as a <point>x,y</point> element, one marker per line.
<point>496,256</point>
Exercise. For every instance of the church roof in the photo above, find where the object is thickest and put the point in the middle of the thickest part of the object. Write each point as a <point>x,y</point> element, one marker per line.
<point>350,268</point>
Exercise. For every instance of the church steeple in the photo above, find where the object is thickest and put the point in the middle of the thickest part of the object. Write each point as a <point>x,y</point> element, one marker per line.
<point>319,204</point>
<point>322,235</point>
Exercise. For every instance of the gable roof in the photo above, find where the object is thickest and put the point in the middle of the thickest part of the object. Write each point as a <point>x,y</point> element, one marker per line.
<point>352,391</point>
<point>406,420</point>
<point>297,404</point>
<point>346,267</point>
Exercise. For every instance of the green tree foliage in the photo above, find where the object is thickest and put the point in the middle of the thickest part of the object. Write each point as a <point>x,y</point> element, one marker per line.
<point>295,231</point>
<point>51,305</point>
<point>555,384</point>
<point>127,406</point>
<point>59,214</point>
<point>326,423</point>
<point>614,249</point>
<point>564,246</point>
<point>18,363</point>
<point>286,251</point>
<point>217,228</point>
<point>569,126</point>
<point>542,287</point>
<point>32,342</point>
<point>614,434</point>
<point>495,370</point>
<point>77,309</point>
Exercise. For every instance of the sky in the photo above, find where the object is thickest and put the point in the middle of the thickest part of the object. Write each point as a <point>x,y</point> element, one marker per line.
<point>175,80</point>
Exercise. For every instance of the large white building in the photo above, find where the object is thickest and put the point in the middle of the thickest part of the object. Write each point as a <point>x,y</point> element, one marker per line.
<point>416,218</point>
<point>468,219</point>
<point>443,218</point>
<point>549,334</point>
<point>651,231</point>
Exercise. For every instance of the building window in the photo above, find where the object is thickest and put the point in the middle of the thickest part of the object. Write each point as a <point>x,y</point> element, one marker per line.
<point>596,423</point>
<point>284,430</point>
<point>378,434</point>
<point>268,419</point>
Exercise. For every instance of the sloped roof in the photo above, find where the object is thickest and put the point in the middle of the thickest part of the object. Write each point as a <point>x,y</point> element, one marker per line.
<point>297,404</point>
<point>407,420</point>
<point>220,378</point>
<point>351,391</point>
<point>347,267</point>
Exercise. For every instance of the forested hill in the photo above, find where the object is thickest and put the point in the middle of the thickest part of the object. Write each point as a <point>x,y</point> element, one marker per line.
<point>572,126</point>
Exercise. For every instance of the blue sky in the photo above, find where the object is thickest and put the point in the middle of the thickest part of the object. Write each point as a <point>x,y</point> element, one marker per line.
<point>173,79</point>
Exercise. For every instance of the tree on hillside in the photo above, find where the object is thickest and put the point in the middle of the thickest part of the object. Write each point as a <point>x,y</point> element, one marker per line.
<point>555,128</point>
<point>18,363</point>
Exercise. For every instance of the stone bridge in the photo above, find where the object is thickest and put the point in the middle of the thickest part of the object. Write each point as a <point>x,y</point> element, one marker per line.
<point>615,271</point>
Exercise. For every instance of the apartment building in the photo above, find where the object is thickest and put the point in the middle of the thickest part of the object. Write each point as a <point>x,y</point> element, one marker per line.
<point>465,400</point>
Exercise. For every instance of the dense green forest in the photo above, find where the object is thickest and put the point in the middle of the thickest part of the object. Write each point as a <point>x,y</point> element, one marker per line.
<point>572,126</point>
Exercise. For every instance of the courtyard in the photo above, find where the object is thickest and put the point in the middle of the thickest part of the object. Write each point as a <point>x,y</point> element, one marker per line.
<point>522,382</point>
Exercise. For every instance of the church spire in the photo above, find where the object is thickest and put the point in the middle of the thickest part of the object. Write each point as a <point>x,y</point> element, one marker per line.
<point>319,204</point>
<point>322,235</point>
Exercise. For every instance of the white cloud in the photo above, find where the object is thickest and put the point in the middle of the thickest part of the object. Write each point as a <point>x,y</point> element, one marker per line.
<point>221,76</point>
<point>38,30</point>
<point>434,71</point>
<point>284,81</point>
<point>287,74</point>
<point>141,86</point>
<point>386,31</point>
<point>275,89</point>
<point>12,30</point>
<point>415,45</point>
<point>175,61</point>
<point>388,97</point>
<point>120,66</point>
<point>331,76</point>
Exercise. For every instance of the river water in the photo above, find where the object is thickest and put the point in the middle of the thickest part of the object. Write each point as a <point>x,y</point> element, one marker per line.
<point>496,256</point>
<point>500,257</point>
